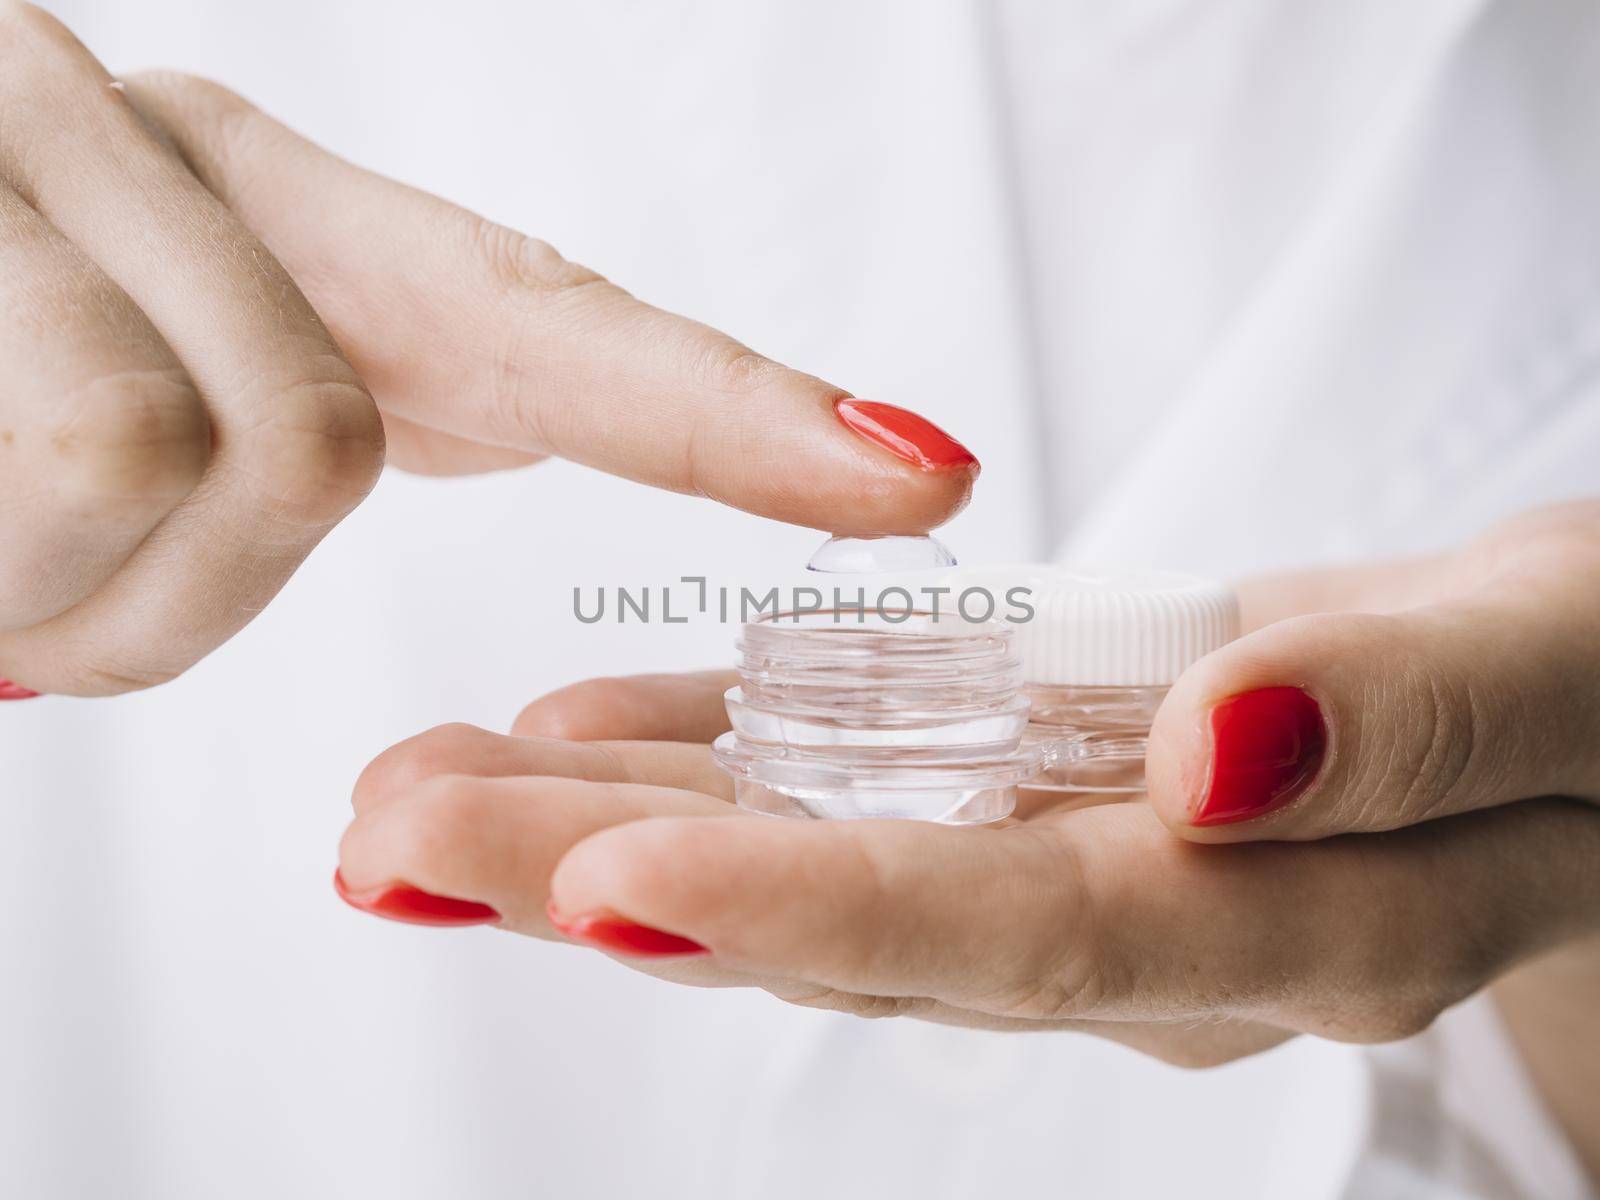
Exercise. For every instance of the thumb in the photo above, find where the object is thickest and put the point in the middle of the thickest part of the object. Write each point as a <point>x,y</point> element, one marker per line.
<point>475,331</point>
<point>1347,722</point>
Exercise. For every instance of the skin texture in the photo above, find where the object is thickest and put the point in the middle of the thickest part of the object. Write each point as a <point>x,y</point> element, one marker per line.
<point>1449,840</point>
<point>211,329</point>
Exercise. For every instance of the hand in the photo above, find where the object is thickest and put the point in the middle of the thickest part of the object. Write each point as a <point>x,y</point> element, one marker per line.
<point>204,314</point>
<point>1461,695</point>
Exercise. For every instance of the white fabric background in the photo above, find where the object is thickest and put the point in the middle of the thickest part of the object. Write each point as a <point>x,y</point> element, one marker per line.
<point>1221,285</point>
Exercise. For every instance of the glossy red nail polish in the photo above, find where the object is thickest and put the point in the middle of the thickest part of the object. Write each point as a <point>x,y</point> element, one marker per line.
<point>1266,746</point>
<point>622,936</point>
<point>402,902</point>
<point>15,691</point>
<point>904,433</point>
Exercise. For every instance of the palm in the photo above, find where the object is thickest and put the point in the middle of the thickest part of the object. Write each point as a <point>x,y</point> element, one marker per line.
<point>1357,917</point>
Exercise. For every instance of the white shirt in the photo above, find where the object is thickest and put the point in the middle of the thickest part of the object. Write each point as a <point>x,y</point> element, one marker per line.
<point>1224,285</point>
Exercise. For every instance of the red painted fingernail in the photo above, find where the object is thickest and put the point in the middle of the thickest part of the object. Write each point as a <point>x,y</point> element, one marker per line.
<point>1266,746</point>
<point>402,902</point>
<point>15,691</point>
<point>899,431</point>
<point>622,935</point>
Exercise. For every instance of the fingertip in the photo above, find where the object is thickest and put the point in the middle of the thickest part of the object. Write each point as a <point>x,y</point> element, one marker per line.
<point>678,872</point>
<point>617,934</point>
<point>622,868</point>
<point>1244,733</point>
<point>590,710</point>
<point>409,905</point>
<point>907,502</point>
<point>1178,767</point>
<point>1267,747</point>
<point>907,435</point>
<point>539,719</point>
<point>908,475</point>
<point>788,452</point>
<point>442,750</point>
<point>445,834</point>
<point>1178,758</point>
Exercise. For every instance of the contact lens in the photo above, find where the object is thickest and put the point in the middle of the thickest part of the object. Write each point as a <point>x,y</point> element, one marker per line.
<point>880,555</point>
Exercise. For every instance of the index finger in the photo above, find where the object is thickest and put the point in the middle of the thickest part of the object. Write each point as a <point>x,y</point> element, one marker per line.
<point>475,330</point>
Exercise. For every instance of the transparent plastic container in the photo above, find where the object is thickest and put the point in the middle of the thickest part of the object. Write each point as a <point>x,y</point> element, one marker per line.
<point>1100,652</point>
<point>843,714</point>
<point>1098,735</point>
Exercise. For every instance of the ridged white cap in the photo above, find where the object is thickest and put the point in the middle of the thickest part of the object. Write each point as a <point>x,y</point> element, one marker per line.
<point>1112,629</point>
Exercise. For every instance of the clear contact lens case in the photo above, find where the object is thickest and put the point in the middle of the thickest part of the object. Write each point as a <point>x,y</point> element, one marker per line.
<point>846,715</point>
<point>925,713</point>
<point>884,709</point>
<point>1099,652</point>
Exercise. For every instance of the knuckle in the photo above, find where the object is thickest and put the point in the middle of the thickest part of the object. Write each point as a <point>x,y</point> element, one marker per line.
<point>1395,979</point>
<point>534,284</point>
<point>1071,989</point>
<point>215,129</point>
<point>521,264</point>
<point>23,22</point>
<point>1193,1053</point>
<point>857,1004</point>
<point>531,282</point>
<point>108,675</point>
<point>318,452</point>
<point>1406,1019</point>
<point>134,436</point>
<point>181,86</point>
<point>1450,953</point>
<point>728,366</point>
<point>1394,1019</point>
<point>45,66</point>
